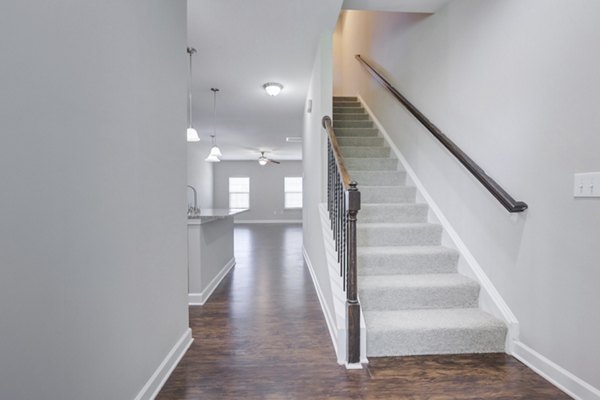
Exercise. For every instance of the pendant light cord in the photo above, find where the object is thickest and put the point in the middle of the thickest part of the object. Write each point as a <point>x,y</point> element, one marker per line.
<point>214,135</point>
<point>190,51</point>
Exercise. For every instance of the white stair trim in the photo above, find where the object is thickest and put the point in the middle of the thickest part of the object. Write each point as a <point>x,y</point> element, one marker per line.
<point>490,299</point>
<point>166,367</point>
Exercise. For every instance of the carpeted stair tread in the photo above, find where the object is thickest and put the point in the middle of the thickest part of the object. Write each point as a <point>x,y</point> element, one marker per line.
<point>371,164</point>
<point>347,103</point>
<point>345,98</point>
<point>356,132</point>
<point>352,124</point>
<point>353,116</point>
<point>386,194</point>
<point>387,260</point>
<point>346,110</point>
<point>398,234</point>
<point>434,331</point>
<point>393,212</point>
<point>379,178</point>
<point>420,291</point>
<point>360,141</point>
<point>365,151</point>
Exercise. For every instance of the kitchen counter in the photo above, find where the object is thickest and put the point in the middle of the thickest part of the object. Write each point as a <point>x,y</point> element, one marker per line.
<point>210,251</point>
<point>212,214</point>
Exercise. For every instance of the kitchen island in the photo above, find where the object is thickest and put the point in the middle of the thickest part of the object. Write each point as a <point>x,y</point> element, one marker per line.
<point>210,251</point>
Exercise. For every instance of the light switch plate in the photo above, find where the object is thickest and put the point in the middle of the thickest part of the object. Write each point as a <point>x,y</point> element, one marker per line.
<point>587,184</point>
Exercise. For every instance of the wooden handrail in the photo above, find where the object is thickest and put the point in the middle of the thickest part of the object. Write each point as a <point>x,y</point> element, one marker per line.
<point>491,185</point>
<point>337,153</point>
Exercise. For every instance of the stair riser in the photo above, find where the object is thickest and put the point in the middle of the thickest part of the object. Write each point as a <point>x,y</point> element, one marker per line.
<point>356,132</point>
<point>360,141</point>
<point>373,164</point>
<point>429,235</point>
<point>352,124</point>
<point>460,296</point>
<point>411,263</point>
<point>416,342</point>
<point>398,194</point>
<point>379,178</point>
<point>350,116</point>
<point>365,152</point>
<point>393,213</point>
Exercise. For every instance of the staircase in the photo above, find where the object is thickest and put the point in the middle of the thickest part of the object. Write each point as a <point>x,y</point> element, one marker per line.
<point>413,299</point>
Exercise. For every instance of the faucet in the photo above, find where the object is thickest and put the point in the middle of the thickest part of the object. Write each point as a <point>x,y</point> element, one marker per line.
<point>194,211</point>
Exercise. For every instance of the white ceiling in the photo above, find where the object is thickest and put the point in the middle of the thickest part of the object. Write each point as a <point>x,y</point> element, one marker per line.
<point>241,45</point>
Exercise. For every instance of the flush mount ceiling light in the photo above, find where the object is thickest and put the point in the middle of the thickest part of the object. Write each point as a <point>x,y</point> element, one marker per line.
<point>273,88</point>
<point>215,152</point>
<point>192,134</point>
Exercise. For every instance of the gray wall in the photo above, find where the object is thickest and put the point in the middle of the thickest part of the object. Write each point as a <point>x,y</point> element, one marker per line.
<point>93,274</point>
<point>516,85</point>
<point>200,173</point>
<point>315,166</point>
<point>266,188</point>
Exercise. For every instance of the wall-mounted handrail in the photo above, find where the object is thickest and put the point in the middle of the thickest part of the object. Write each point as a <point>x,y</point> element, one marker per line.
<point>343,204</point>
<point>491,185</point>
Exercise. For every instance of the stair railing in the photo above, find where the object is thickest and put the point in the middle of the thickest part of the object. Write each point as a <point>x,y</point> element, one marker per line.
<point>491,185</point>
<point>343,204</point>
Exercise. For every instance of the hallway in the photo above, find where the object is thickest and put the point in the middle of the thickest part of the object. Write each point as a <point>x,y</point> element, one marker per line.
<point>262,335</point>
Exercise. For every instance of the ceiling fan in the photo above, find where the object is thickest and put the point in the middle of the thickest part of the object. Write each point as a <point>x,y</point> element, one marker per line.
<point>262,160</point>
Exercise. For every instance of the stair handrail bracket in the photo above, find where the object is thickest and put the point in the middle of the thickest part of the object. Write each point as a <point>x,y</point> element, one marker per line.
<point>491,185</point>
<point>343,204</point>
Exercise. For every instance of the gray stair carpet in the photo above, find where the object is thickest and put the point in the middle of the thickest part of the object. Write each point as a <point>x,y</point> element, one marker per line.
<point>413,299</point>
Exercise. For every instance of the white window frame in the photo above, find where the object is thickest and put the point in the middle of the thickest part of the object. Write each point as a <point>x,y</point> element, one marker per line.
<point>247,193</point>
<point>286,192</point>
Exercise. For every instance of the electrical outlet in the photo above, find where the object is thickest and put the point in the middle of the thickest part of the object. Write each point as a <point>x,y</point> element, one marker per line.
<point>587,184</point>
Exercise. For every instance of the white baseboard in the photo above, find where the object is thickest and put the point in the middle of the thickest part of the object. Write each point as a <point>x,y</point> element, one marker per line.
<point>268,221</point>
<point>329,317</point>
<point>166,367</point>
<point>554,373</point>
<point>198,299</point>
<point>490,299</point>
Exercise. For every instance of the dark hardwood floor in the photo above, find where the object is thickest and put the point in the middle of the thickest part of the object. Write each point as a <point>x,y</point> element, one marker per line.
<point>262,335</point>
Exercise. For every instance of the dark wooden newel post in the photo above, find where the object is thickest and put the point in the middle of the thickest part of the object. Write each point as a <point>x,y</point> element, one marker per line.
<point>352,201</point>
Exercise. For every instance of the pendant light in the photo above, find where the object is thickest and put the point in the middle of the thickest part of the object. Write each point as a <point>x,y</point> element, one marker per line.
<point>215,152</point>
<point>213,156</point>
<point>192,134</point>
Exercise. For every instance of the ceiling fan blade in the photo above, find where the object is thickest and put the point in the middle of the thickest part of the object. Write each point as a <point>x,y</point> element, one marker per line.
<point>273,161</point>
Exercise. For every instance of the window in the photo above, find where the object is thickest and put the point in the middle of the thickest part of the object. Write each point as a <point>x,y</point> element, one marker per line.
<point>293,192</point>
<point>239,192</point>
